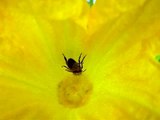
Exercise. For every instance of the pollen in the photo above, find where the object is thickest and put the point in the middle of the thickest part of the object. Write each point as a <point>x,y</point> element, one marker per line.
<point>74,91</point>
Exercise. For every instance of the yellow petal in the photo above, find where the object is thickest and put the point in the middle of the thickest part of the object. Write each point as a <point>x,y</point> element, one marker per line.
<point>51,9</point>
<point>121,65</point>
<point>125,71</point>
<point>30,63</point>
<point>108,11</point>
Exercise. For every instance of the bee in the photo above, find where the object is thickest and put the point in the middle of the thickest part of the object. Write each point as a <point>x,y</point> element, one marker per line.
<point>73,66</point>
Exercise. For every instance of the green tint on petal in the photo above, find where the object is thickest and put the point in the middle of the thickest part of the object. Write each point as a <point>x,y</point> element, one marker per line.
<point>158,58</point>
<point>91,2</point>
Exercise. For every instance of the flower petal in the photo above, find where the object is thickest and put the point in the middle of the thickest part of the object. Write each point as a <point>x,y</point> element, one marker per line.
<point>126,72</point>
<point>107,11</point>
<point>31,50</point>
<point>52,9</point>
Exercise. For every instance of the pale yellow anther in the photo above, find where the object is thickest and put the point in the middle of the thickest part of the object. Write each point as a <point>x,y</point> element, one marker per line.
<point>74,91</point>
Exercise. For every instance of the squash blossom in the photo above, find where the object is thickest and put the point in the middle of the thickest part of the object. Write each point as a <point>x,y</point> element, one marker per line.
<point>121,41</point>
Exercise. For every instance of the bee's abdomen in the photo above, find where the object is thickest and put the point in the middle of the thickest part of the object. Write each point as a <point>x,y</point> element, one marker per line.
<point>71,63</point>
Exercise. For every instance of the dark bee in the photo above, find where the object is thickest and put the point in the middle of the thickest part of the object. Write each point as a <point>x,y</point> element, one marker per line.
<point>73,66</point>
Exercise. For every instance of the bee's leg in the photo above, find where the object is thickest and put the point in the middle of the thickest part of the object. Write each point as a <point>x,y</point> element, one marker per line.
<point>65,58</point>
<point>81,63</point>
<point>79,59</point>
<point>84,70</point>
<point>83,59</point>
<point>68,70</point>
<point>65,66</point>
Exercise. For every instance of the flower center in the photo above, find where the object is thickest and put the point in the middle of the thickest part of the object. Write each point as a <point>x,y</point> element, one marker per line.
<point>74,91</point>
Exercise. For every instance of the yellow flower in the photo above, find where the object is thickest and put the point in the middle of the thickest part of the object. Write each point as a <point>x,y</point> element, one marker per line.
<point>121,40</point>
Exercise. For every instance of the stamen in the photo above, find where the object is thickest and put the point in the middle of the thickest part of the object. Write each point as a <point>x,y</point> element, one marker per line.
<point>74,91</point>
